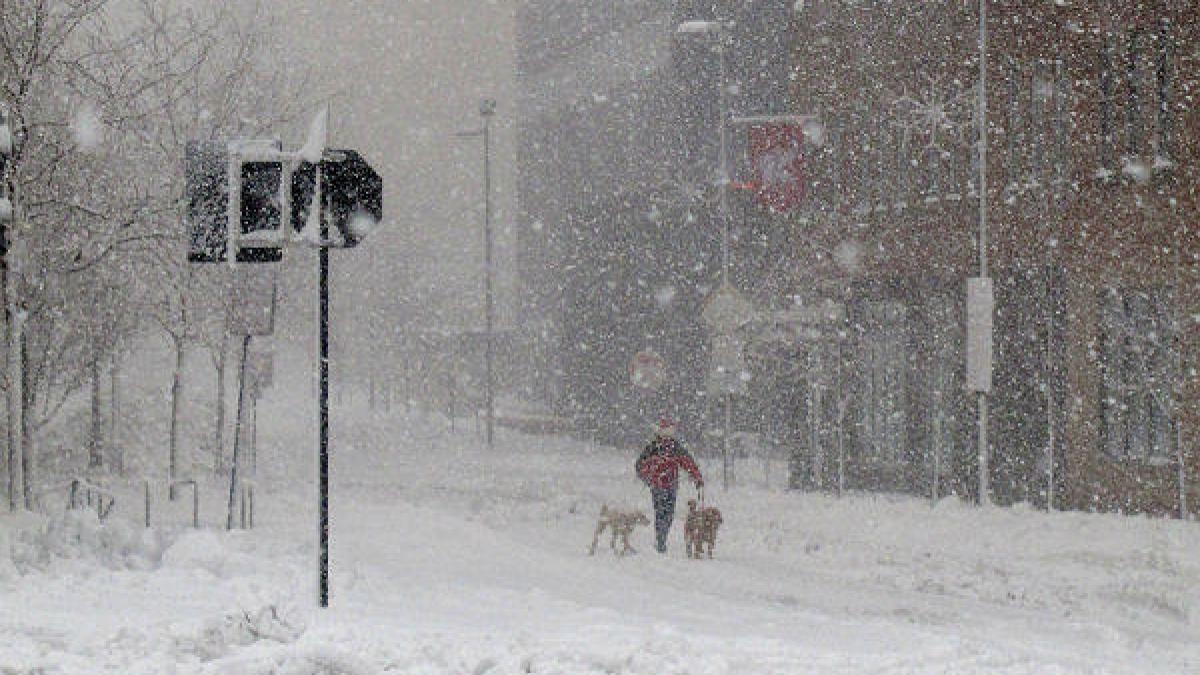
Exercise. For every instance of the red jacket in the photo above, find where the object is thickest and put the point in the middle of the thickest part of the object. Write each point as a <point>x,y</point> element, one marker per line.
<point>659,464</point>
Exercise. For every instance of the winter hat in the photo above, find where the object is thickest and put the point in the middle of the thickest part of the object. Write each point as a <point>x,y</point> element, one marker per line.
<point>665,427</point>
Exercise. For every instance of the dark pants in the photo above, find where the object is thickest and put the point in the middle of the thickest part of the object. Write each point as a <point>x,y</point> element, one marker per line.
<point>664,513</point>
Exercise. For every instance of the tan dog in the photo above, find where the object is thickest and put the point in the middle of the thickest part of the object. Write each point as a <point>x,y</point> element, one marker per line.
<point>700,529</point>
<point>621,523</point>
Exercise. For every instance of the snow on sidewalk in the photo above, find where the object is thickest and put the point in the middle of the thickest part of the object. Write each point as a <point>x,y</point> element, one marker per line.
<point>448,558</point>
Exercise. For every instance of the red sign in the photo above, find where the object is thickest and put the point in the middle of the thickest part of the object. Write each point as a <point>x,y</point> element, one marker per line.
<point>777,155</point>
<point>647,370</point>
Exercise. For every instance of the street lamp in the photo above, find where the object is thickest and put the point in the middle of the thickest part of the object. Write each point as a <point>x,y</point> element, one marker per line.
<point>487,108</point>
<point>984,284</point>
<point>720,30</point>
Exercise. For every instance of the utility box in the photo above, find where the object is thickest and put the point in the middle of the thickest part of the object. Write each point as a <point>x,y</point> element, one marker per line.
<point>980,308</point>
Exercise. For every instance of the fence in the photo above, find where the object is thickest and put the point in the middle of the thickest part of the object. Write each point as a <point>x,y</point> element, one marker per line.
<point>82,494</point>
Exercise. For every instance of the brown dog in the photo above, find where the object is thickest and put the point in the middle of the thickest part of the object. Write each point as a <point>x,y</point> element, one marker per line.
<point>621,523</point>
<point>700,528</point>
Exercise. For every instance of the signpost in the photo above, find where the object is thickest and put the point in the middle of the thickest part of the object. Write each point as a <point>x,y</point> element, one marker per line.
<point>725,311</point>
<point>647,370</point>
<point>247,201</point>
<point>253,314</point>
<point>980,307</point>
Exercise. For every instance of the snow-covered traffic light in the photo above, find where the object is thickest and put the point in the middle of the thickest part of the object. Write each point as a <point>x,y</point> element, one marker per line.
<point>260,209</point>
<point>246,198</point>
<point>206,164</point>
<point>352,193</point>
<point>240,182</point>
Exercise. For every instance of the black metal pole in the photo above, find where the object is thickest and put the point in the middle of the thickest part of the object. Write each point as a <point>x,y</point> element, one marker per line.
<point>487,263</point>
<point>323,405</point>
<point>237,433</point>
<point>254,432</point>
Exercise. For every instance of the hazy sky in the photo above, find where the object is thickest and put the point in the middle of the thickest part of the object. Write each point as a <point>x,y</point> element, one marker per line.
<point>405,75</point>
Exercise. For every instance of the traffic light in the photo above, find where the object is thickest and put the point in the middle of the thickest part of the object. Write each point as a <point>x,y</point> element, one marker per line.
<point>352,192</point>
<point>257,184</point>
<point>255,200</point>
<point>355,196</point>
<point>206,166</point>
<point>261,210</point>
<point>304,180</point>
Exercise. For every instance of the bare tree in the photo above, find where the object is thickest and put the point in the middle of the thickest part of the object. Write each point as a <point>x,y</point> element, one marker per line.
<point>37,50</point>
<point>100,111</point>
<point>237,88</point>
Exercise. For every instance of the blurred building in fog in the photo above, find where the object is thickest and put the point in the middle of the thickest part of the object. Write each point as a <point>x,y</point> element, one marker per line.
<point>857,357</point>
<point>616,150</point>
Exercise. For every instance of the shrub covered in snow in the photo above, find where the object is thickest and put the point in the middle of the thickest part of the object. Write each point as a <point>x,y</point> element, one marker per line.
<point>33,542</point>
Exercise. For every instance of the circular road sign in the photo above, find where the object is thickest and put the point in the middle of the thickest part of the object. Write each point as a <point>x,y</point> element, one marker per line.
<point>647,370</point>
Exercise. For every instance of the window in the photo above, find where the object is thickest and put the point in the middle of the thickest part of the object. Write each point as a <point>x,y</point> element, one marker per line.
<point>1108,144</point>
<point>1063,100</point>
<point>945,344</point>
<point>1038,131</point>
<point>1136,73</point>
<point>1163,77</point>
<point>884,406</point>
<point>1133,107</point>
<point>1041,97</point>
<point>1139,368</point>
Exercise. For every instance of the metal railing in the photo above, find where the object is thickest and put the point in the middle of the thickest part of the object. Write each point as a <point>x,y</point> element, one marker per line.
<point>83,494</point>
<point>247,504</point>
<point>171,488</point>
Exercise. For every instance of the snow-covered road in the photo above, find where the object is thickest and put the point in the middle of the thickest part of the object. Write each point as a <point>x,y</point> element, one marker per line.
<point>449,559</point>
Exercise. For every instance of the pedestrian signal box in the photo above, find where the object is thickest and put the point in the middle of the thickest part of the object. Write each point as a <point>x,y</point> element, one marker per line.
<point>270,194</point>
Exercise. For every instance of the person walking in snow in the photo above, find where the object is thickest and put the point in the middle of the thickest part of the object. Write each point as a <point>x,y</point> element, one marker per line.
<point>658,466</point>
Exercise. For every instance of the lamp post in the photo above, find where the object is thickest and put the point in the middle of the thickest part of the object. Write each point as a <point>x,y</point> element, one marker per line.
<point>487,108</point>
<point>719,29</point>
<point>985,282</point>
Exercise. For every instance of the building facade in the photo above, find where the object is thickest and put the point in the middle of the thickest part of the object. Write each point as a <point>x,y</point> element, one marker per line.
<point>617,166</point>
<point>1092,243</point>
<point>856,362</point>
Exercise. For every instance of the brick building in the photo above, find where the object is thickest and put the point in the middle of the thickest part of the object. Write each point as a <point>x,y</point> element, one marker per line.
<point>1093,247</point>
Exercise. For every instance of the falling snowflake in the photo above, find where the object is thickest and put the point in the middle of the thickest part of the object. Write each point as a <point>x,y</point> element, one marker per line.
<point>87,128</point>
<point>663,296</point>
<point>848,256</point>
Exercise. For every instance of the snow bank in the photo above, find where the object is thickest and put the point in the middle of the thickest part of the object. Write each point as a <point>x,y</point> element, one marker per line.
<point>30,542</point>
<point>220,637</point>
<point>200,549</point>
<point>1075,564</point>
<point>451,558</point>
